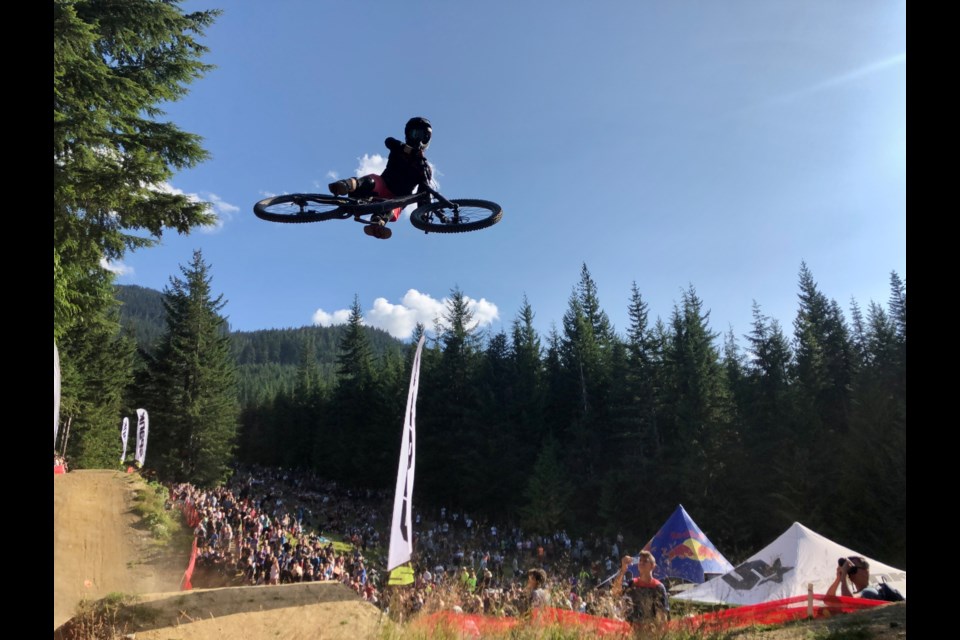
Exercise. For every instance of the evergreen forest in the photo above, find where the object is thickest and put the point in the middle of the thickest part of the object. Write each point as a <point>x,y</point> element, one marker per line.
<point>587,425</point>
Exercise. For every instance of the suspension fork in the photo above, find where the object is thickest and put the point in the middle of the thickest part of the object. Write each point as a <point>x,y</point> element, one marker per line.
<point>455,208</point>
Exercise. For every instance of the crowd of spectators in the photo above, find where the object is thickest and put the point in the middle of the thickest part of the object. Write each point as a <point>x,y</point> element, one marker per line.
<point>265,527</point>
<point>270,526</point>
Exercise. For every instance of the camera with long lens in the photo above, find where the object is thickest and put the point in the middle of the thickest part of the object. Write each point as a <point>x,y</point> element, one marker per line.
<point>852,570</point>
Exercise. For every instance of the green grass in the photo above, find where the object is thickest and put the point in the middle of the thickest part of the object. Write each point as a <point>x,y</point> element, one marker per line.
<point>109,617</point>
<point>390,630</point>
<point>149,504</point>
<point>850,633</point>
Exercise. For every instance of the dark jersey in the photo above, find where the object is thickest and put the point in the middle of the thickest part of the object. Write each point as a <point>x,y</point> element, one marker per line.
<point>648,600</point>
<point>405,171</point>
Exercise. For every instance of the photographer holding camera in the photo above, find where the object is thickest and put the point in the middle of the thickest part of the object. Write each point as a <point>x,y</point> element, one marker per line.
<point>857,569</point>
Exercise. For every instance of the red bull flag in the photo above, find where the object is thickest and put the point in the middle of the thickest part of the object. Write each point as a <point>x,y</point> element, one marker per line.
<point>683,551</point>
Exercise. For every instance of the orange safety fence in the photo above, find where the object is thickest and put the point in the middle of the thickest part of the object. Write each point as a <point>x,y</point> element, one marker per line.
<point>185,584</point>
<point>478,625</point>
<point>776,612</point>
<point>472,624</point>
<point>594,624</point>
<point>190,514</point>
<point>192,518</point>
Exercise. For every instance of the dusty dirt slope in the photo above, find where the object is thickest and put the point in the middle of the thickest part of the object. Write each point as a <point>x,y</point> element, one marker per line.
<point>307,611</point>
<point>98,548</point>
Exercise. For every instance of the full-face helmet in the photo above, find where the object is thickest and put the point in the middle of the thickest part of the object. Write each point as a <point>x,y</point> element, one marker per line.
<point>418,132</point>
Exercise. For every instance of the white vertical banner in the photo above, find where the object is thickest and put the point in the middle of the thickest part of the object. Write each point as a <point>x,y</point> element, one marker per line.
<point>143,427</point>
<point>401,529</point>
<point>56,393</point>
<point>124,433</point>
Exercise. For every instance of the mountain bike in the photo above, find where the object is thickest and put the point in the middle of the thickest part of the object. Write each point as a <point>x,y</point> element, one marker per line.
<point>434,213</point>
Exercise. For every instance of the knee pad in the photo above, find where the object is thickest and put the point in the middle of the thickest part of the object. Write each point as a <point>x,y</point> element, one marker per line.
<point>366,186</point>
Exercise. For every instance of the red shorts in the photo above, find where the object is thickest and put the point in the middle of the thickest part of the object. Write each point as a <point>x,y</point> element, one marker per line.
<point>382,191</point>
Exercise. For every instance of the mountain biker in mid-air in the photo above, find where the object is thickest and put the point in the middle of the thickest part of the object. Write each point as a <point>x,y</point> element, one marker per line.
<point>407,169</point>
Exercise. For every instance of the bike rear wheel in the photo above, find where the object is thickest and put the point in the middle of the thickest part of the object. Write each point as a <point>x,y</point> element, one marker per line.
<point>469,215</point>
<point>301,207</point>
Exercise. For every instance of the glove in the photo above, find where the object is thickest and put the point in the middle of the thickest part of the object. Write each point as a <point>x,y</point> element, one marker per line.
<point>413,152</point>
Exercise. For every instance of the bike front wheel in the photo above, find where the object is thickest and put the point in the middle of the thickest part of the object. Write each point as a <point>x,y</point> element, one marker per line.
<point>301,207</point>
<point>467,215</point>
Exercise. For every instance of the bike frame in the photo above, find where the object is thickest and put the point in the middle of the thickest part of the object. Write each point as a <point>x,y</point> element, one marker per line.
<point>357,208</point>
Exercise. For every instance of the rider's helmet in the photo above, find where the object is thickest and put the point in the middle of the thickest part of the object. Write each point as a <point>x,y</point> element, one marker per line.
<point>418,132</point>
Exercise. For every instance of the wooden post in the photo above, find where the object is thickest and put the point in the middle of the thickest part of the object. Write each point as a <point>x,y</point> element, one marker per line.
<point>66,435</point>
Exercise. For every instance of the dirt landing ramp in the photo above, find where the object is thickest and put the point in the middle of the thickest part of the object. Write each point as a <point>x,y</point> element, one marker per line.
<point>306,611</point>
<point>97,548</point>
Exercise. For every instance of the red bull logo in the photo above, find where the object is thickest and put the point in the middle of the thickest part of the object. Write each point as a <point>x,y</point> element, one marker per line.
<point>693,550</point>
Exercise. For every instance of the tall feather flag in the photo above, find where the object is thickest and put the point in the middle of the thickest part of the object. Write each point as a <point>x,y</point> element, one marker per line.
<point>124,433</point>
<point>401,529</point>
<point>143,428</point>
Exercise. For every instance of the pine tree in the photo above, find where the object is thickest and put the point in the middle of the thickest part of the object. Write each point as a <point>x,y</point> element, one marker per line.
<point>770,432</point>
<point>340,446</point>
<point>824,358</point>
<point>113,64</point>
<point>547,492</point>
<point>527,410</point>
<point>96,361</point>
<point>193,395</point>
<point>876,446</point>
<point>824,369</point>
<point>697,411</point>
<point>451,419</point>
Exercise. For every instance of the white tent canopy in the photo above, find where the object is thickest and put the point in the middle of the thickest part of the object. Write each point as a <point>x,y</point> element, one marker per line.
<point>785,567</point>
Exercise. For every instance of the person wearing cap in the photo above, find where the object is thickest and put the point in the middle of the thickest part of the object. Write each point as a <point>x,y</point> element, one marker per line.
<point>407,169</point>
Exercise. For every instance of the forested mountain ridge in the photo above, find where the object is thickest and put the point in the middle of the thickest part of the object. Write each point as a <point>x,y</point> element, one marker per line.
<point>142,313</point>
<point>267,359</point>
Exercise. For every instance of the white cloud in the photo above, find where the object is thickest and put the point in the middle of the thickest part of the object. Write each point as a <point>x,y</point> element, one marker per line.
<point>222,210</point>
<point>324,319</point>
<point>368,164</point>
<point>399,320</point>
<point>333,175</point>
<point>117,268</point>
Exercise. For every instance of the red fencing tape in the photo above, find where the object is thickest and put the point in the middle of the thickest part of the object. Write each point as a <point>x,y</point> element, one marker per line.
<point>192,518</point>
<point>776,612</point>
<point>185,584</point>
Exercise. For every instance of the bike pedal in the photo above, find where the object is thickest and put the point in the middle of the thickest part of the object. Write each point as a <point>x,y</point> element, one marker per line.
<point>376,231</point>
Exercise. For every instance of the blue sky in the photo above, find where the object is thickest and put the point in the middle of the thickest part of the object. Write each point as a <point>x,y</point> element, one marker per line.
<point>708,144</point>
